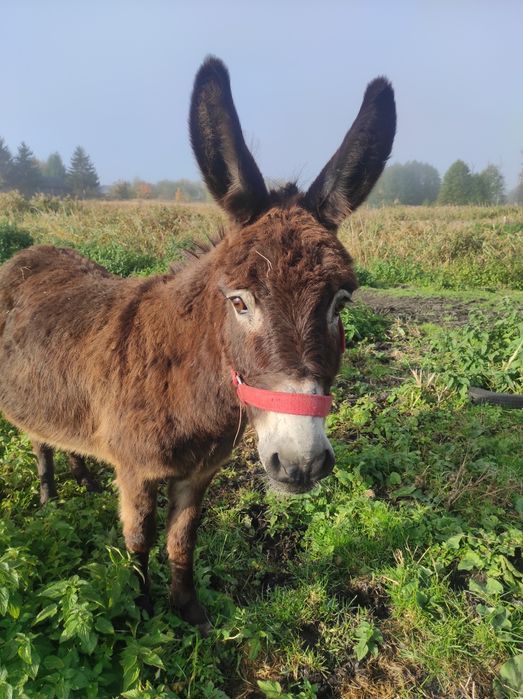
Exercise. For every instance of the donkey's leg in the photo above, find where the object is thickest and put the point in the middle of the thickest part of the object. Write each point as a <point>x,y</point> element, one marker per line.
<point>45,466</point>
<point>82,474</point>
<point>138,515</point>
<point>185,499</point>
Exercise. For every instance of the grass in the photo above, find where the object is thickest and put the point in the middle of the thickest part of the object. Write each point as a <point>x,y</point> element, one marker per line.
<point>399,576</point>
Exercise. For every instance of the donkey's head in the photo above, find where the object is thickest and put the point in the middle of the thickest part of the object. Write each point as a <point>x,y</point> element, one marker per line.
<point>284,275</point>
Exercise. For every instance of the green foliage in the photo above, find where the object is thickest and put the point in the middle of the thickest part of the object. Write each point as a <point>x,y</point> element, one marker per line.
<point>119,259</point>
<point>510,679</point>
<point>12,239</point>
<point>487,352</point>
<point>368,639</point>
<point>360,322</point>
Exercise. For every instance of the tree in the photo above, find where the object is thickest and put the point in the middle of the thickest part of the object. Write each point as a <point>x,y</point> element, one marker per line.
<point>516,195</point>
<point>411,183</point>
<point>26,173</point>
<point>121,190</point>
<point>142,189</point>
<point>82,177</point>
<point>492,185</point>
<point>189,190</point>
<point>6,166</point>
<point>54,175</point>
<point>457,186</point>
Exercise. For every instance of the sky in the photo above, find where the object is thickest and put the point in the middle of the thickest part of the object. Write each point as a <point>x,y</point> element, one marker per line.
<point>116,78</point>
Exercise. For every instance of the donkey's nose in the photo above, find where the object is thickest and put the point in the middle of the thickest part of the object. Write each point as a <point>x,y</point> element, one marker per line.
<point>305,474</point>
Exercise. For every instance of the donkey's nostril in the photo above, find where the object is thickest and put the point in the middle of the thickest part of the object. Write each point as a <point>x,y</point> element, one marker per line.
<point>274,465</point>
<point>328,463</point>
<point>322,465</point>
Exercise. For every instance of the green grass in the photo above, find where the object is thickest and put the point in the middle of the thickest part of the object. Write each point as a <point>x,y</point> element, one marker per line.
<point>399,576</point>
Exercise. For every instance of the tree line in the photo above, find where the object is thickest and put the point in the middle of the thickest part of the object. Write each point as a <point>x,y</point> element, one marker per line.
<point>418,183</point>
<point>29,175</point>
<point>25,173</point>
<point>411,183</point>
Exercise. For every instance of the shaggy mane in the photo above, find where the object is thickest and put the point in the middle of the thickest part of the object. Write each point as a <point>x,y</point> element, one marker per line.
<point>197,249</point>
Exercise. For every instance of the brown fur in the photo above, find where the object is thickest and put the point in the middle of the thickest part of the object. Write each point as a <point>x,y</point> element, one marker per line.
<point>136,372</point>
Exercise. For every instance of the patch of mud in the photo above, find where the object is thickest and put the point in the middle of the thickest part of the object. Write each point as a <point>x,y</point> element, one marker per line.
<point>419,309</point>
<point>369,594</point>
<point>279,545</point>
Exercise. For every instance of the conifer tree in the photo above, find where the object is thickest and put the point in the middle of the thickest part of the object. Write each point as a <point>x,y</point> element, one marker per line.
<point>26,172</point>
<point>6,166</point>
<point>82,177</point>
<point>516,195</point>
<point>55,175</point>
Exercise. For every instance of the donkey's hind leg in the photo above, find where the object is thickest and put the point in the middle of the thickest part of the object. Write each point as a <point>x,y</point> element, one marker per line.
<point>82,474</point>
<point>45,466</point>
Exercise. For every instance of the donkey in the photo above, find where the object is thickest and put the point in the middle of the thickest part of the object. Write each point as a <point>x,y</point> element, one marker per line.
<point>159,376</point>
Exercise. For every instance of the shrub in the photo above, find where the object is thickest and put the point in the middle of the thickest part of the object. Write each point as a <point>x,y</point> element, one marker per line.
<point>12,239</point>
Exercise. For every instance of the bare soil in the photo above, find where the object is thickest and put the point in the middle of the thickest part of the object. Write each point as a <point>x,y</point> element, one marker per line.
<point>419,309</point>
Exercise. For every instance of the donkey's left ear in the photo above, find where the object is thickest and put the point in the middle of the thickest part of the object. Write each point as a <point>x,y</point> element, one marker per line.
<point>228,168</point>
<point>351,173</point>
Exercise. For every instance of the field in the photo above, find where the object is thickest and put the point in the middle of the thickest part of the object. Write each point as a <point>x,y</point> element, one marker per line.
<point>400,576</point>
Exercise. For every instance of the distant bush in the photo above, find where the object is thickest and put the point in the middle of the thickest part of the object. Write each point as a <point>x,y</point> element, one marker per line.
<point>12,239</point>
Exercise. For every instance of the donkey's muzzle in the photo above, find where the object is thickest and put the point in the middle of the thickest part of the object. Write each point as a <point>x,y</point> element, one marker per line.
<point>299,478</point>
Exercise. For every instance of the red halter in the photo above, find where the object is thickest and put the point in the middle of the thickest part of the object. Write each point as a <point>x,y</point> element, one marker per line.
<point>290,403</point>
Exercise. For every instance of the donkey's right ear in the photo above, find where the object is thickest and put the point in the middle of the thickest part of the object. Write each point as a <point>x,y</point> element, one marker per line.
<point>228,168</point>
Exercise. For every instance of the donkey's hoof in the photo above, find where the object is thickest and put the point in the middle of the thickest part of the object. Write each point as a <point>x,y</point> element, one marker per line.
<point>205,628</point>
<point>91,485</point>
<point>46,495</point>
<point>194,613</point>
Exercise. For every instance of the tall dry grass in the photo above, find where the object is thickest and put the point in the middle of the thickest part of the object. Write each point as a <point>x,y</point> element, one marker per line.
<point>460,247</point>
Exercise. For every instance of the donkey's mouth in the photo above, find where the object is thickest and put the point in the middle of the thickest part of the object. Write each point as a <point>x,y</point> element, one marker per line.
<point>286,488</point>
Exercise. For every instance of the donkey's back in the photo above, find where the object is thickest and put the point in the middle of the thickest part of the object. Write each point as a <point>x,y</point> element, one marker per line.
<point>54,305</point>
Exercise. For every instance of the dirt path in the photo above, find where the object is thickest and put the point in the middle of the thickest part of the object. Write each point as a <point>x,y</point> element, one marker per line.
<point>421,309</point>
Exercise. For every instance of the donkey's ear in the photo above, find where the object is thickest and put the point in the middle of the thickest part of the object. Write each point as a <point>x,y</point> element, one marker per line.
<point>227,166</point>
<point>351,173</point>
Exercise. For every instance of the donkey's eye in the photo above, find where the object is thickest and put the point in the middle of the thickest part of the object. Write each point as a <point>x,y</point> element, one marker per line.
<point>239,304</point>
<point>339,302</point>
<point>339,306</point>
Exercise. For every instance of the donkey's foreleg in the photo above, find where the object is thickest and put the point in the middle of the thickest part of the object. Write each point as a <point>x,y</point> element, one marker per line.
<point>82,474</point>
<point>138,515</point>
<point>45,466</point>
<point>185,499</point>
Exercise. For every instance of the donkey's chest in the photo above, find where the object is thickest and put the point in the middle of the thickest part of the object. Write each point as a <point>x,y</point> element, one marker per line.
<point>168,444</point>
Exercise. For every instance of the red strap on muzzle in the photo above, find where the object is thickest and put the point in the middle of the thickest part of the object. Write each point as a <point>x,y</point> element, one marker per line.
<point>289,403</point>
<point>279,402</point>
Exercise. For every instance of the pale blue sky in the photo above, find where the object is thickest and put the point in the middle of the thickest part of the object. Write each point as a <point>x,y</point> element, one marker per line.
<point>116,78</point>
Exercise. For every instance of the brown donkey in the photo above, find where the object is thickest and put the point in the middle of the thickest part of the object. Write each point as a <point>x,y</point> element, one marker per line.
<point>137,372</point>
